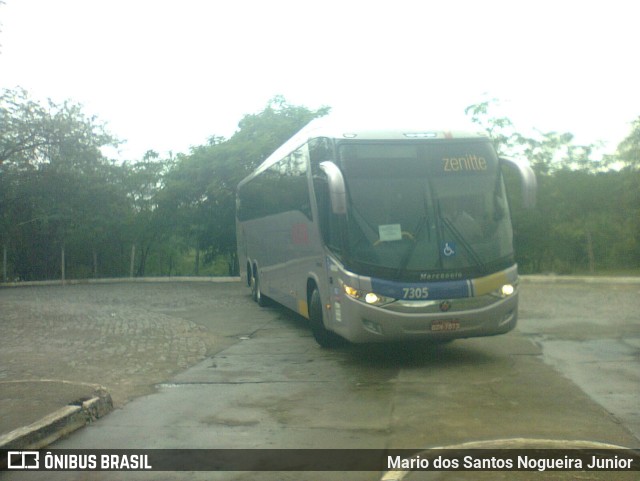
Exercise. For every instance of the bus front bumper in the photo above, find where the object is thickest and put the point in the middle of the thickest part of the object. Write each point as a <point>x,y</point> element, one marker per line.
<point>367,323</point>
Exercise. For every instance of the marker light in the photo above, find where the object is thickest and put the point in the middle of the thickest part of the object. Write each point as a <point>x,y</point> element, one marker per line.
<point>351,292</point>
<point>421,135</point>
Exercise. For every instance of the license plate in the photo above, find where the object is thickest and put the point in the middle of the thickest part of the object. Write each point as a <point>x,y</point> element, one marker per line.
<point>441,326</point>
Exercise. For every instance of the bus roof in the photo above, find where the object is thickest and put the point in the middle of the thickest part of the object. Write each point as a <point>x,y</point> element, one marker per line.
<point>341,130</point>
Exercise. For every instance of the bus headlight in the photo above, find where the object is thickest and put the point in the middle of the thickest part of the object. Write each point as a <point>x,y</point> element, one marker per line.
<point>367,297</point>
<point>372,298</point>
<point>505,290</point>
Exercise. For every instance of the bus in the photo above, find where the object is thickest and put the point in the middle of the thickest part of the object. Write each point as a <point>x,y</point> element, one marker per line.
<point>379,235</point>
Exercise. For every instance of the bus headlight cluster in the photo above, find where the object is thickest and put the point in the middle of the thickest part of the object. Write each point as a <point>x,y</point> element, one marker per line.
<point>367,297</point>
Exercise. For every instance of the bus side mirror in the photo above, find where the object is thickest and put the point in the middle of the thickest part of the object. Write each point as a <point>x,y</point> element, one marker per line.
<point>527,180</point>
<point>337,188</point>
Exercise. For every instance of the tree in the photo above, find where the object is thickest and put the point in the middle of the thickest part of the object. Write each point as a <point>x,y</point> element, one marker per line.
<point>32,134</point>
<point>587,216</point>
<point>500,129</point>
<point>200,189</point>
<point>629,149</point>
<point>628,154</point>
<point>546,151</point>
<point>51,173</point>
<point>144,180</point>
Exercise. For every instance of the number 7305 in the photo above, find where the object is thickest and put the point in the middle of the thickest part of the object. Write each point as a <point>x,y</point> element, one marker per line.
<point>415,292</point>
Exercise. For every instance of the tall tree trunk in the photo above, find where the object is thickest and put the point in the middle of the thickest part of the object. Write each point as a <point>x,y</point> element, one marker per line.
<point>133,257</point>
<point>590,256</point>
<point>62,262</point>
<point>4,263</point>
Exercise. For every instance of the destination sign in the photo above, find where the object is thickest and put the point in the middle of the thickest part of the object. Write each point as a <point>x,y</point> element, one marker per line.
<point>464,163</point>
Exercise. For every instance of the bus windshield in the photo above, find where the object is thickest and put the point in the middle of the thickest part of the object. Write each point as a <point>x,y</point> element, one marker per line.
<point>426,210</point>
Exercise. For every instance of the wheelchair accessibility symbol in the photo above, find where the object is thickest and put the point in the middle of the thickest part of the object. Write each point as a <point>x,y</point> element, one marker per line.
<point>449,249</point>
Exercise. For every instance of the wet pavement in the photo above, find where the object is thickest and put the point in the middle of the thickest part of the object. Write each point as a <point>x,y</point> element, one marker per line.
<point>63,344</point>
<point>590,332</point>
<point>258,379</point>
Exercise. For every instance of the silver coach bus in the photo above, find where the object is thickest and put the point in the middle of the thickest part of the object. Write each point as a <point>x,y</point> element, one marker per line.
<point>383,235</point>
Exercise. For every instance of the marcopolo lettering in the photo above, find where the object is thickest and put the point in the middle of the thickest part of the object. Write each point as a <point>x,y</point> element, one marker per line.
<point>464,163</point>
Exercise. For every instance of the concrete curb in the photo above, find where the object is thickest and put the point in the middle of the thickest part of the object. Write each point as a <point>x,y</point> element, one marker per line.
<point>534,279</point>
<point>116,280</point>
<point>553,278</point>
<point>59,423</point>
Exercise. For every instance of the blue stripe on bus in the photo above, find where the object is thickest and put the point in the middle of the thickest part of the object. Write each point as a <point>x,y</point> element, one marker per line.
<point>415,291</point>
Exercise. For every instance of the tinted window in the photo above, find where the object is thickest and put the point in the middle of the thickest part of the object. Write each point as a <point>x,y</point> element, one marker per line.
<point>283,187</point>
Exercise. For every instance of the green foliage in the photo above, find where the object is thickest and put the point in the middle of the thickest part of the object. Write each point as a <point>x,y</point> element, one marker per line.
<point>545,151</point>
<point>60,135</point>
<point>200,189</point>
<point>588,215</point>
<point>56,188</point>
<point>58,191</point>
<point>629,148</point>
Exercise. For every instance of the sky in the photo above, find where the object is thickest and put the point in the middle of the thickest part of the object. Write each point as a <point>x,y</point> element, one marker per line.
<point>167,75</point>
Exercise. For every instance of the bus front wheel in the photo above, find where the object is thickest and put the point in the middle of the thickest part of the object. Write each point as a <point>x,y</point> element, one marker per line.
<point>321,334</point>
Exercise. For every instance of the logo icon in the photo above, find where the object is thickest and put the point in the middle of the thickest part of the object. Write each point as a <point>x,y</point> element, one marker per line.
<point>23,460</point>
<point>445,306</point>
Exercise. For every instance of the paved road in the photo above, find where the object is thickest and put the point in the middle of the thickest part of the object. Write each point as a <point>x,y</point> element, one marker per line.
<point>259,380</point>
<point>590,332</point>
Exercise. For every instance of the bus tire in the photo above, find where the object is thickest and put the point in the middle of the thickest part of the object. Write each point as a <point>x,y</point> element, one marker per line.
<point>323,336</point>
<point>256,292</point>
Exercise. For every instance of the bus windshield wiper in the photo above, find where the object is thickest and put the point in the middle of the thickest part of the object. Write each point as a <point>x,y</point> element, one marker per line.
<point>459,237</point>
<point>424,221</point>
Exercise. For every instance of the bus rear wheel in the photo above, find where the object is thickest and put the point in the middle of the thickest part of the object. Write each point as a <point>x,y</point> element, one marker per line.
<point>321,334</point>
<point>256,292</point>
